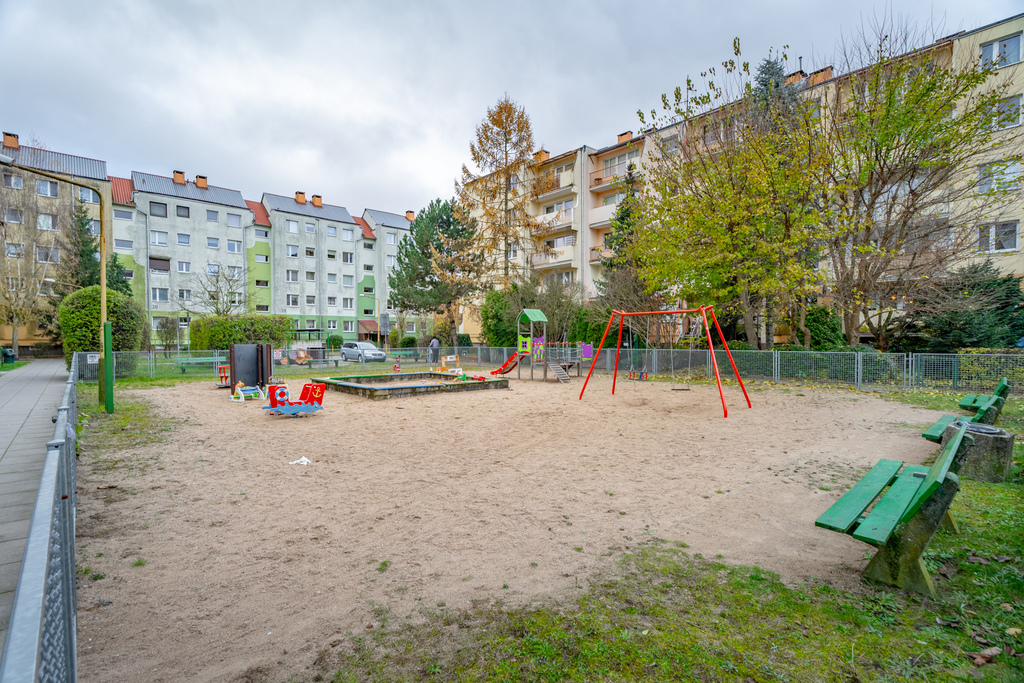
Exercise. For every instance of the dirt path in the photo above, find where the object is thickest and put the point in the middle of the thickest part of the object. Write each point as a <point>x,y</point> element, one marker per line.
<point>408,504</point>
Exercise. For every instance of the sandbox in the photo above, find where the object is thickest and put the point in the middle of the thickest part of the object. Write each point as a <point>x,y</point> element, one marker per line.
<point>399,385</point>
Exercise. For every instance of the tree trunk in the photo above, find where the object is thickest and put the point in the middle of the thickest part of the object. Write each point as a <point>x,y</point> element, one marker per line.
<point>14,336</point>
<point>803,327</point>
<point>748,318</point>
<point>851,327</point>
<point>769,323</point>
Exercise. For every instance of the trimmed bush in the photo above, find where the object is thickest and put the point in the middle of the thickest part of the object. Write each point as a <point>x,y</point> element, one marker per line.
<point>80,321</point>
<point>408,343</point>
<point>217,333</point>
<point>463,340</point>
<point>335,341</point>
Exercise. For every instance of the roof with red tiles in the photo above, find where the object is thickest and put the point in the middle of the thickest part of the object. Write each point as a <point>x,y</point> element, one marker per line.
<point>367,230</point>
<point>121,189</point>
<point>260,215</point>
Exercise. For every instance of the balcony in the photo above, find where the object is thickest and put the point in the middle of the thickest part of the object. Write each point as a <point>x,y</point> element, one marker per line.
<point>601,216</point>
<point>550,223</point>
<point>597,254</point>
<point>603,177</point>
<point>550,184</point>
<point>551,257</point>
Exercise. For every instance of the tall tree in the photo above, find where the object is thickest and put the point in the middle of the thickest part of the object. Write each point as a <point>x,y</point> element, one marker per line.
<point>498,192</point>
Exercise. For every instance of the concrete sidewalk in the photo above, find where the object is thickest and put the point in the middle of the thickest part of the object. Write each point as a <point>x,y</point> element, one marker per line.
<point>29,398</point>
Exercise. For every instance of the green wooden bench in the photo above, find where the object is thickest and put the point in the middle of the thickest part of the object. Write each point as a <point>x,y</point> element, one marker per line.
<point>975,401</point>
<point>987,414</point>
<point>186,363</point>
<point>911,506</point>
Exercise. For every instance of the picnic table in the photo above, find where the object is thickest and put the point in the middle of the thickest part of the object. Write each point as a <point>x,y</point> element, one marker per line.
<point>911,506</point>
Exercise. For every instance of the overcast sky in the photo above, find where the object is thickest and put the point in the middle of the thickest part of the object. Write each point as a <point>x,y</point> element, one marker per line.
<point>374,104</point>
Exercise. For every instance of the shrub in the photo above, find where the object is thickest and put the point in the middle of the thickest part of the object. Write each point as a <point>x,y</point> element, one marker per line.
<point>463,340</point>
<point>738,345</point>
<point>80,321</point>
<point>408,342</point>
<point>215,333</point>
<point>825,327</point>
<point>335,341</point>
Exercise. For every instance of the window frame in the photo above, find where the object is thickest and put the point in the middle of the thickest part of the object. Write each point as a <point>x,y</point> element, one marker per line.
<point>155,211</point>
<point>153,236</point>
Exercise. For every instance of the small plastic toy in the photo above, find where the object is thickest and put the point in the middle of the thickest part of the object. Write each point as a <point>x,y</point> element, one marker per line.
<point>310,400</point>
<point>224,373</point>
<point>242,392</point>
<point>397,367</point>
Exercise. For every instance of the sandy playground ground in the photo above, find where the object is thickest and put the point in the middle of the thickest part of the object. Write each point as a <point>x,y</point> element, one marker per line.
<point>252,562</point>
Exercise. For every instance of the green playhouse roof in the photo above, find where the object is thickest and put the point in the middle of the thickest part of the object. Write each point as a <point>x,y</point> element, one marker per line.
<point>533,315</point>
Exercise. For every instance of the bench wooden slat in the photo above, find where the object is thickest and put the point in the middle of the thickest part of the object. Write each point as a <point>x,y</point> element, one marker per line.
<point>1002,389</point>
<point>884,517</point>
<point>844,512</point>
<point>936,474</point>
<point>967,402</point>
<point>934,433</point>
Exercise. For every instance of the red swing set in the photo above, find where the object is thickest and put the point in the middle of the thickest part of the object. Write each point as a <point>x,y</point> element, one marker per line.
<point>703,311</point>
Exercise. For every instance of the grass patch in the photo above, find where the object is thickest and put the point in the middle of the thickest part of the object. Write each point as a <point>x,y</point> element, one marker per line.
<point>664,615</point>
<point>12,366</point>
<point>108,441</point>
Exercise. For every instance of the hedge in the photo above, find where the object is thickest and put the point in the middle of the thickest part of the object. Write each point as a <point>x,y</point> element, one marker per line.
<point>80,321</point>
<point>215,333</point>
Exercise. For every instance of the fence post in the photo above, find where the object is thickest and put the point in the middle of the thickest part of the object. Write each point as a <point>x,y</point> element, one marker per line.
<point>479,357</point>
<point>776,366</point>
<point>859,369</point>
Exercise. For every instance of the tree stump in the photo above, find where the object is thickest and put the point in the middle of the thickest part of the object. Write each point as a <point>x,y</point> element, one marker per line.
<point>990,456</point>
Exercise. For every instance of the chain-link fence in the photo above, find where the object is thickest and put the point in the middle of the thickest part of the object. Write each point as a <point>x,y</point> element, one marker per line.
<point>888,371</point>
<point>42,632</point>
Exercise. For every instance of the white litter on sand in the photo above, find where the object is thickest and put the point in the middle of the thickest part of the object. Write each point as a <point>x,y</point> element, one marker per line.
<point>302,461</point>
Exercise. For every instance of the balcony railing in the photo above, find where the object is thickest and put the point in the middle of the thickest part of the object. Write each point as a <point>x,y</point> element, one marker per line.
<point>610,174</point>
<point>550,223</point>
<point>598,254</point>
<point>549,182</point>
<point>550,256</point>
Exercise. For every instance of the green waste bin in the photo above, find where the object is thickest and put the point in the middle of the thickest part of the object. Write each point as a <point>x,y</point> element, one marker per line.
<point>8,356</point>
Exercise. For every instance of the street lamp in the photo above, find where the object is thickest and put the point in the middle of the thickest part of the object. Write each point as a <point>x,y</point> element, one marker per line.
<point>107,375</point>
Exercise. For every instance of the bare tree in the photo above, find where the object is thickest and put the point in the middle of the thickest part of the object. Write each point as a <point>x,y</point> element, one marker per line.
<point>219,290</point>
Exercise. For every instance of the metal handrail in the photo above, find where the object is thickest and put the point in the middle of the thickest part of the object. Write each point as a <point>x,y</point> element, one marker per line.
<point>42,632</point>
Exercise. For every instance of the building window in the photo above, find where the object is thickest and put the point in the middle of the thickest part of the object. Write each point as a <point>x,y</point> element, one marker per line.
<point>182,212</point>
<point>213,242</point>
<point>332,278</point>
<point>184,266</point>
<point>1008,112</point>
<point>158,209</point>
<point>348,280</point>
<point>368,290</point>
<point>234,271</point>
<point>184,239</point>
<point>291,226</point>
<point>368,245</point>
<point>158,237</point>
<point>310,227</point>
<point>46,221</point>
<point>260,232</point>
<point>410,328</point>
<point>392,238</point>
<point>291,276</point>
<point>332,324</point>
<point>348,257</point>
<point>212,215</point>
<point>368,267</point>
<point>185,294</point>
<point>310,252</point>
<point>310,324</point>
<point>368,311</point>
<point>263,284</point>
<point>159,294</point>
<point>15,216</point>
<point>332,301</point>
<point>346,234</point>
<point>559,242</point>
<point>129,274</point>
<point>213,269</point>
<point>391,260</point>
<point>122,215</point>
<point>332,255</point>
<point>46,188</point>
<point>291,250</point>
<point>332,231</point>
<point>348,326</point>
<point>348,302</point>
<point>123,244</point>
<point>613,198</point>
<point>998,176</point>
<point>47,255</point>
<point>513,250</point>
<point>310,299</point>
<point>262,308</point>
<point>93,197</point>
<point>13,182</point>
<point>310,276</point>
<point>234,220</point>
<point>293,299</point>
<point>390,306</point>
<point>567,277</point>
<point>998,237</point>
<point>15,250</point>
<point>157,321</point>
<point>160,266</point>
<point>1002,52</point>
<point>94,228</point>
<point>234,246</point>
<point>236,297</point>
<point>262,258</point>
<point>564,209</point>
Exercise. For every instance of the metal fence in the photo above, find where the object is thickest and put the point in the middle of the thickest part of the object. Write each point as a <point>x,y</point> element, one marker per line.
<point>42,632</point>
<point>869,371</point>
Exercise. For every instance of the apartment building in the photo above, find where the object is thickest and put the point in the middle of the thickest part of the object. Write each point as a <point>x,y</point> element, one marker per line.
<point>387,230</point>
<point>34,210</point>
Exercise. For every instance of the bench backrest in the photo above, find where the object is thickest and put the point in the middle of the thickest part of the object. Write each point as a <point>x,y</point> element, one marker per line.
<point>991,404</point>
<point>937,473</point>
<point>1002,389</point>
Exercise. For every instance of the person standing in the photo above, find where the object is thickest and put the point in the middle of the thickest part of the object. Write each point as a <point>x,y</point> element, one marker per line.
<point>435,349</point>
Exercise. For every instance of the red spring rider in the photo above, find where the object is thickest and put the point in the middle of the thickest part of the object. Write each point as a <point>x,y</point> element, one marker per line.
<point>397,367</point>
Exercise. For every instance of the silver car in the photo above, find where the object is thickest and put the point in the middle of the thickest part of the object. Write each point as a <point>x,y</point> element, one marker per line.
<point>362,351</point>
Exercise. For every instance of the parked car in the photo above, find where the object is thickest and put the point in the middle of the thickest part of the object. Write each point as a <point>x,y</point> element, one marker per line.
<point>362,351</point>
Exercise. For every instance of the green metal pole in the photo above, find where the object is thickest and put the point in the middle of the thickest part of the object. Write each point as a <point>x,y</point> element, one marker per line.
<point>108,366</point>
